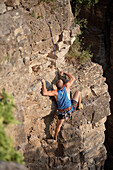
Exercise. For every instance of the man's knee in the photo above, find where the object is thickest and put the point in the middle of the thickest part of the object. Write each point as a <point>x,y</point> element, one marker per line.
<point>78,92</point>
<point>76,95</point>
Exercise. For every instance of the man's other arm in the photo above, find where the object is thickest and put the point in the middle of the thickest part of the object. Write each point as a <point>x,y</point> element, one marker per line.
<point>71,79</point>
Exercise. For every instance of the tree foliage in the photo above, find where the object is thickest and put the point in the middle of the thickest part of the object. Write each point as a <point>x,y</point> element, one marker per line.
<point>86,3</point>
<point>77,52</point>
<point>7,151</point>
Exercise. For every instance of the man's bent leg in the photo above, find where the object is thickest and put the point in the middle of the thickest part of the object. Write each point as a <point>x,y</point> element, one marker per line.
<point>59,124</point>
<point>77,97</point>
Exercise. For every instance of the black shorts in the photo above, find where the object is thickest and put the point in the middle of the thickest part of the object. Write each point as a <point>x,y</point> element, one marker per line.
<point>74,104</point>
<point>63,116</point>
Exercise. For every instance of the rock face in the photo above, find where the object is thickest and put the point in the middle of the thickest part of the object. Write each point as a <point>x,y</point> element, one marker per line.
<point>100,19</point>
<point>11,165</point>
<point>26,55</point>
<point>109,129</point>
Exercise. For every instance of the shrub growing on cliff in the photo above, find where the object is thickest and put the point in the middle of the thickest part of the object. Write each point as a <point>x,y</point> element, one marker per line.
<point>77,53</point>
<point>77,5</point>
<point>87,3</point>
<point>7,152</point>
<point>83,3</point>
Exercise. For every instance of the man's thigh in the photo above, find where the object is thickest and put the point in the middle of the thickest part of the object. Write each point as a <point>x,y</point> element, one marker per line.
<point>76,96</point>
<point>60,121</point>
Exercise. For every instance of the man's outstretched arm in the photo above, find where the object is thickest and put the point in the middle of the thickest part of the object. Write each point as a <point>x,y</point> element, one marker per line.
<point>45,92</point>
<point>71,78</point>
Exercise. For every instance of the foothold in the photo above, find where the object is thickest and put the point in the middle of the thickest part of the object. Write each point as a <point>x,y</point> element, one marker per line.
<point>17,13</point>
<point>88,122</point>
<point>2,8</point>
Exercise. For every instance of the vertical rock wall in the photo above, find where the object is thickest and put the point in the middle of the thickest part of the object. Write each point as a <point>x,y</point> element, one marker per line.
<point>100,19</point>
<point>26,55</point>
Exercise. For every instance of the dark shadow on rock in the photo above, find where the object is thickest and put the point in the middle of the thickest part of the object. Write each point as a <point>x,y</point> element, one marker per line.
<point>49,118</point>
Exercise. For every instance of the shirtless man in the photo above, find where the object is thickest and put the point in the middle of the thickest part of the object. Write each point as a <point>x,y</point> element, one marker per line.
<point>62,96</point>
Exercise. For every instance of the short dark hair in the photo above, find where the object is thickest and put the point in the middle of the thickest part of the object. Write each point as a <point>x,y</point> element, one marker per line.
<point>59,85</point>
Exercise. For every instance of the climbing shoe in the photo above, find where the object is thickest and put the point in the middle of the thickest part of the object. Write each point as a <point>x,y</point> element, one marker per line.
<point>54,138</point>
<point>81,105</point>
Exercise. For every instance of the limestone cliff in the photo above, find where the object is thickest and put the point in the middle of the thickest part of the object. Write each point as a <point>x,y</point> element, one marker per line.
<point>99,35</point>
<point>26,55</point>
<point>11,165</point>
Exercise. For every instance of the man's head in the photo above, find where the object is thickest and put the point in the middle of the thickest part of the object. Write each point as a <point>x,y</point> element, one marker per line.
<point>59,84</point>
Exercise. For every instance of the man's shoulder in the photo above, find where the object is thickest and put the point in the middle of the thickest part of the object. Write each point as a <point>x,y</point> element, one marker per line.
<point>66,86</point>
<point>55,91</point>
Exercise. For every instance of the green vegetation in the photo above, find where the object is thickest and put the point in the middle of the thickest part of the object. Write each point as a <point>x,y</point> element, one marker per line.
<point>49,0</point>
<point>7,152</point>
<point>77,53</point>
<point>77,5</point>
<point>85,3</point>
<point>7,58</point>
<point>33,14</point>
<point>81,22</point>
<point>4,59</point>
<point>39,17</point>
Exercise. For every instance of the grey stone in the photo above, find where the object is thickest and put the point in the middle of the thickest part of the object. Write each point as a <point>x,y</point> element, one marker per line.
<point>6,22</point>
<point>9,8</point>
<point>11,165</point>
<point>2,8</point>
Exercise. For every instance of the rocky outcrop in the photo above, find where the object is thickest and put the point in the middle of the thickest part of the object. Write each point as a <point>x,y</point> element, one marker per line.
<point>26,55</point>
<point>11,165</point>
<point>26,45</point>
<point>109,122</point>
<point>100,36</point>
<point>80,142</point>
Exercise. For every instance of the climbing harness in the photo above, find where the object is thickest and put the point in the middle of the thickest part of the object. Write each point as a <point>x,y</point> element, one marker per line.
<point>65,116</point>
<point>65,113</point>
<point>65,110</point>
<point>48,23</point>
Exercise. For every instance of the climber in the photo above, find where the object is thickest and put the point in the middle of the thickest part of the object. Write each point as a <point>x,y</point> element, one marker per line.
<point>62,96</point>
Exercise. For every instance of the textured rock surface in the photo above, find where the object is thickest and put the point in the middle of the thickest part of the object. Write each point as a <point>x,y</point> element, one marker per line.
<point>100,36</point>
<point>26,55</point>
<point>11,165</point>
<point>109,123</point>
<point>80,142</point>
